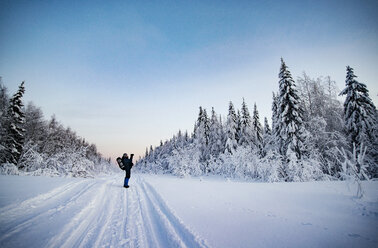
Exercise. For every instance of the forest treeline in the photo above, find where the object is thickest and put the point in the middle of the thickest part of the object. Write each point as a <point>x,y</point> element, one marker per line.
<point>32,145</point>
<point>313,136</point>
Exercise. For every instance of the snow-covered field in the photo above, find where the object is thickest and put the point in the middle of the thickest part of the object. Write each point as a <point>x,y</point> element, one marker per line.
<point>165,211</point>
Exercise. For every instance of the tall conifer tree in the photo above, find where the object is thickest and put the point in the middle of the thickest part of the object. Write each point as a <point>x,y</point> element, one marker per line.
<point>275,119</point>
<point>231,129</point>
<point>360,115</point>
<point>215,136</point>
<point>257,128</point>
<point>16,131</point>
<point>359,111</point>
<point>290,122</point>
<point>246,126</point>
<point>4,105</point>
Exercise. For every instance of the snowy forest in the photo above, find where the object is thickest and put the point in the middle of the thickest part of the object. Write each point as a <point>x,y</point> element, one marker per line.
<point>31,145</point>
<point>313,136</point>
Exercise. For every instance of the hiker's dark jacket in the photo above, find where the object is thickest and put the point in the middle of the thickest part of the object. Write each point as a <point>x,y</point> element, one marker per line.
<point>128,163</point>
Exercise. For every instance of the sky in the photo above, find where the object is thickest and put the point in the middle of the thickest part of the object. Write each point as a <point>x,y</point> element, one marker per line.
<point>126,74</point>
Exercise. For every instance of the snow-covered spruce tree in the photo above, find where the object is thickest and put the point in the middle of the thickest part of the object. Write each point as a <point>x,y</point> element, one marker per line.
<point>187,138</point>
<point>291,129</point>
<point>267,141</point>
<point>245,126</point>
<point>225,164</point>
<point>238,126</point>
<point>142,165</point>
<point>267,129</point>
<point>223,133</point>
<point>180,140</point>
<point>231,130</point>
<point>290,123</point>
<point>16,132</point>
<point>202,130</point>
<point>35,133</point>
<point>4,105</point>
<point>146,153</point>
<point>206,126</point>
<point>151,155</point>
<point>276,137</point>
<point>160,153</point>
<point>215,135</point>
<point>360,117</point>
<point>198,122</point>
<point>257,128</point>
<point>205,153</point>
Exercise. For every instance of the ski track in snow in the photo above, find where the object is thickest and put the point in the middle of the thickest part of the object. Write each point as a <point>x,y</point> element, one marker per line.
<point>95,213</point>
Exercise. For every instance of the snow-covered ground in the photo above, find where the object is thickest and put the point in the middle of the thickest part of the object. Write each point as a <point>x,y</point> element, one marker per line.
<point>245,214</point>
<point>165,211</point>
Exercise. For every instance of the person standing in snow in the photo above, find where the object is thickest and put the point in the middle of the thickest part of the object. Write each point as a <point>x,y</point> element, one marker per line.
<point>126,163</point>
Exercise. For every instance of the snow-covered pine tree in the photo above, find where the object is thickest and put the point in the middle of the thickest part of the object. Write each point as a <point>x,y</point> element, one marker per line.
<point>186,138</point>
<point>290,125</point>
<point>199,129</point>
<point>179,140</point>
<point>201,137</point>
<point>206,127</point>
<point>35,133</point>
<point>198,122</point>
<point>151,155</point>
<point>223,133</point>
<point>4,105</point>
<point>16,122</point>
<point>146,153</point>
<point>231,130</point>
<point>267,138</point>
<point>238,126</point>
<point>360,115</point>
<point>275,120</point>
<point>266,127</point>
<point>215,135</point>
<point>246,126</point>
<point>205,154</point>
<point>257,128</point>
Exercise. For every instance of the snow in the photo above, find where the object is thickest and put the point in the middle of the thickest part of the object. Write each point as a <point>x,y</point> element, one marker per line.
<point>244,214</point>
<point>15,189</point>
<point>166,211</point>
<point>89,213</point>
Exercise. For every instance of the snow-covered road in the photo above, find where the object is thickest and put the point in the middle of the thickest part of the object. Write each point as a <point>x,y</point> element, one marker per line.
<point>166,211</point>
<point>95,213</point>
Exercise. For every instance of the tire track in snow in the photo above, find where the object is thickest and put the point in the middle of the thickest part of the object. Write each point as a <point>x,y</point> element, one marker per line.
<point>146,220</point>
<point>15,221</point>
<point>96,213</point>
<point>100,227</point>
<point>36,202</point>
<point>176,232</point>
<point>79,229</point>
<point>106,231</point>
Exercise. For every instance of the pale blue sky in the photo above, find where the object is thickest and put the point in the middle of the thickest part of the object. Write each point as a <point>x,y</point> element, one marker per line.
<point>125,74</point>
